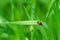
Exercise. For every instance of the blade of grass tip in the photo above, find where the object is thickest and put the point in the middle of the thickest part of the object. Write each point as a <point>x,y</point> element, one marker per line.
<point>43,30</point>
<point>49,9</point>
<point>27,12</point>
<point>46,26</point>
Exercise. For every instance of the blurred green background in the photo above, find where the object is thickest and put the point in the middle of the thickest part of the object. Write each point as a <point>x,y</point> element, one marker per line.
<point>47,11</point>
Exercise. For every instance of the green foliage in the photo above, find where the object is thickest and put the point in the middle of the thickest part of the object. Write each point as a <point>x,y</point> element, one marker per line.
<point>47,11</point>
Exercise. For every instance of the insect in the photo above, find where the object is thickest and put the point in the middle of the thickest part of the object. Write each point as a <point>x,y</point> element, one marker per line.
<point>40,23</point>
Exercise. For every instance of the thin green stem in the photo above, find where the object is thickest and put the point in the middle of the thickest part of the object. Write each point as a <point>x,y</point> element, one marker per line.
<point>50,6</point>
<point>27,12</point>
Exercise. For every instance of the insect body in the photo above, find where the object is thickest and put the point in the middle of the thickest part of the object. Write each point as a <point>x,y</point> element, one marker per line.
<point>40,23</point>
